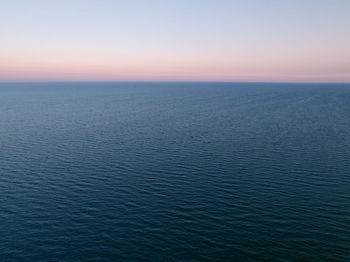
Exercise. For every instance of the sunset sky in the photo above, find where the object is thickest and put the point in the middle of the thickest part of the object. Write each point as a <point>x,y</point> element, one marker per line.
<point>175,40</point>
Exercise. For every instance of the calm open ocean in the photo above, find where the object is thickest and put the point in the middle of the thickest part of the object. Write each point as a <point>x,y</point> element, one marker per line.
<point>174,172</point>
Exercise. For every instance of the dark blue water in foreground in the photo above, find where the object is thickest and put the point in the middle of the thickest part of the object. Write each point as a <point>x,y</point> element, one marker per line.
<point>174,172</point>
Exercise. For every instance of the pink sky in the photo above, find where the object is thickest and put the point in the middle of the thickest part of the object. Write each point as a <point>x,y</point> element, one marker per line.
<point>295,41</point>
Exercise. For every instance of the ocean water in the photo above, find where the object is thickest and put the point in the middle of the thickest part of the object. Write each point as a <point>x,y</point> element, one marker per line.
<point>174,172</point>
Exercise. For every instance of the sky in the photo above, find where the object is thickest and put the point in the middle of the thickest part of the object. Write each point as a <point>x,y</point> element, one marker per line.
<point>175,40</point>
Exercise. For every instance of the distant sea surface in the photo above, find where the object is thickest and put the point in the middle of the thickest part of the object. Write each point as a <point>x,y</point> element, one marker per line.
<point>174,172</point>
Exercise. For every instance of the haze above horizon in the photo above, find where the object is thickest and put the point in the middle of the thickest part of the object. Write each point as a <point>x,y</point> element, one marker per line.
<point>193,40</point>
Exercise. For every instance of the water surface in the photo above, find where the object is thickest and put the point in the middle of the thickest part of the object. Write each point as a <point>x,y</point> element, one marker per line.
<point>174,172</point>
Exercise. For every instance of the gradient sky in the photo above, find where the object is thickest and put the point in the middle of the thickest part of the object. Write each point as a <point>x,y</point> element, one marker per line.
<point>206,40</point>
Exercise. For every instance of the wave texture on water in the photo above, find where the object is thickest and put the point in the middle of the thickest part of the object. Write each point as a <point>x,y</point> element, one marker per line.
<point>174,172</point>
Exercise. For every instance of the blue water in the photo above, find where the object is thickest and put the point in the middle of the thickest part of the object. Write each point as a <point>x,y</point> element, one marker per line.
<point>174,172</point>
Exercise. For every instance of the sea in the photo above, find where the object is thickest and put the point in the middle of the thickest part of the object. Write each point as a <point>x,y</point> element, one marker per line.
<point>174,171</point>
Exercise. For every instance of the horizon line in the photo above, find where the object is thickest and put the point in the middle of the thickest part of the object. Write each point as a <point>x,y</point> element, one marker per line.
<point>169,81</point>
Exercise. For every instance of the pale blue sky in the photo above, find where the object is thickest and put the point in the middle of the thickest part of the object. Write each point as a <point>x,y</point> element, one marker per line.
<point>300,40</point>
